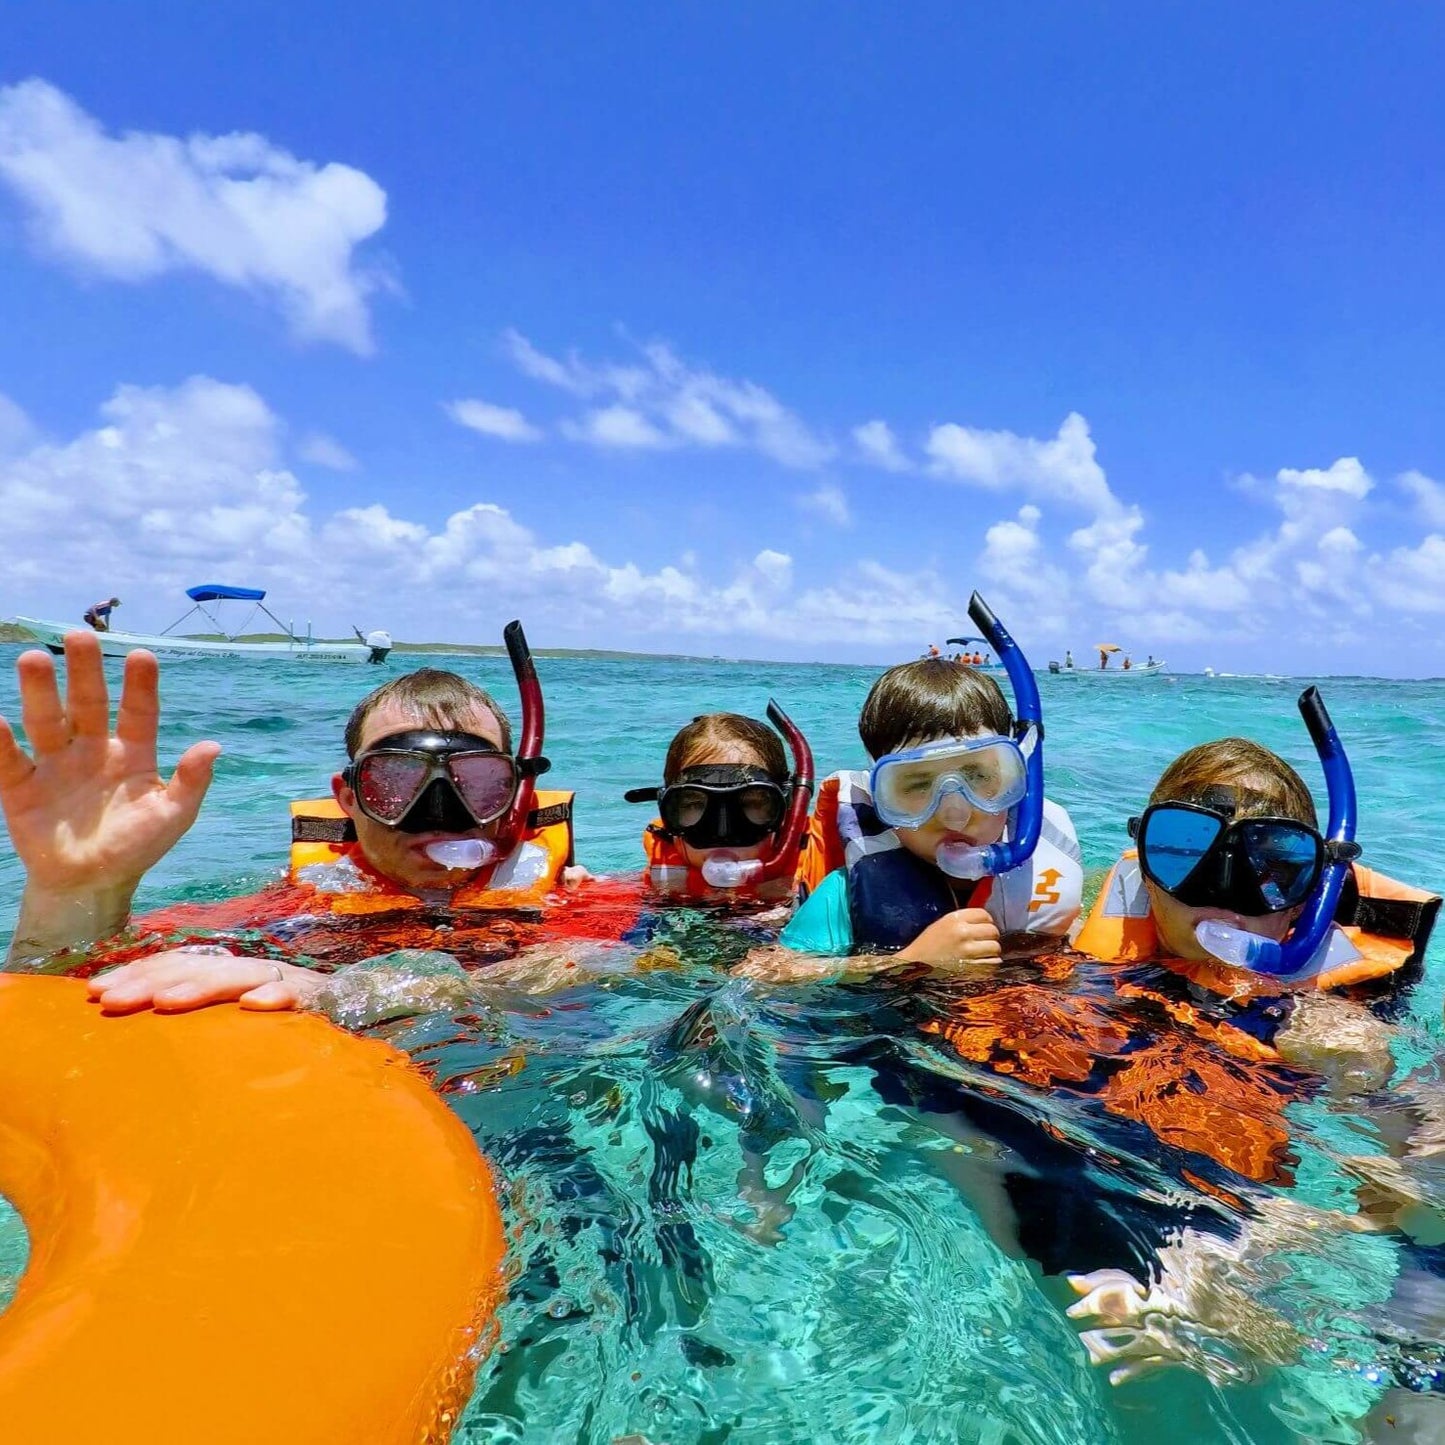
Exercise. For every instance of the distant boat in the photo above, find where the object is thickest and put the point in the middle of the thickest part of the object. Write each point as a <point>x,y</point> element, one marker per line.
<point>1109,674</point>
<point>992,665</point>
<point>374,647</point>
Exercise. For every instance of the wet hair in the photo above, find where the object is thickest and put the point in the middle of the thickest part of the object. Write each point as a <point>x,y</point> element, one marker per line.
<point>711,731</point>
<point>437,698</point>
<point>1264,783</point>
<point>917,702</point>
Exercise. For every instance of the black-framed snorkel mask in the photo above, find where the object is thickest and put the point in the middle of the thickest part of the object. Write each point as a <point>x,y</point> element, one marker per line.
<point>430,780</point>
<point>719,808</point>
<point>1206,857</point>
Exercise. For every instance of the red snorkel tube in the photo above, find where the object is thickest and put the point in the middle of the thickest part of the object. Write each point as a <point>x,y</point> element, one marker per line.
<point>530,762</point>
<point>726,871</point>
<point>489,853</point>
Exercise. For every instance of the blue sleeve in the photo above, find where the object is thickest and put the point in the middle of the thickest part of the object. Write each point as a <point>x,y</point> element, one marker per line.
<point>822,924</point>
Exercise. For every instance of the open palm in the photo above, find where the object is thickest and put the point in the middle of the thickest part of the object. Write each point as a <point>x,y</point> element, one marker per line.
<point>87,809</point>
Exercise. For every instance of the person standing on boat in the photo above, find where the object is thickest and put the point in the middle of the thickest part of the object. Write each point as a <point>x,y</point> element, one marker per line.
<point>97,615</point>
<point>1068,658</point>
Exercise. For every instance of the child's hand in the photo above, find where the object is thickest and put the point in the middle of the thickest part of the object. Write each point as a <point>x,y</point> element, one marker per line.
<point>967,935</point>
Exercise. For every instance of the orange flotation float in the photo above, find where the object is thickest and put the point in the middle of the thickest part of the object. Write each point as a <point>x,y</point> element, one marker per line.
<point>243,1227</point>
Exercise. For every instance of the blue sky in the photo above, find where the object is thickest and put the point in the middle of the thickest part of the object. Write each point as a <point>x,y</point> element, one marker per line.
<point>756,330</point>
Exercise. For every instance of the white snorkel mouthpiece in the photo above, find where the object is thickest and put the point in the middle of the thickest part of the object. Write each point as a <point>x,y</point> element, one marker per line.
<point>1237,947</point>
<point>722,869</point>
<point>1241,949</point>
<point>462,853</point>
<point>965,860</point>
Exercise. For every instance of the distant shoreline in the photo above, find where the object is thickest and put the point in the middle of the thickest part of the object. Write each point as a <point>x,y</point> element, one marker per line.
<point>9,632</point>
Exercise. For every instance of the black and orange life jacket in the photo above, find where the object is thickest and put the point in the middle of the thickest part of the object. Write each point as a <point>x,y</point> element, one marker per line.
<point>1387,922</point>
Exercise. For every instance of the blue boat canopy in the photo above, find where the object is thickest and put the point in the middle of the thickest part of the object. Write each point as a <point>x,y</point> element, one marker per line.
<point>213,592</point>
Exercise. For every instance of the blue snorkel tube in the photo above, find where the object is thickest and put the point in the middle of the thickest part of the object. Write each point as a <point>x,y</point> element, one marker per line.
<point>1293,956</point>
<point>1028,816</point>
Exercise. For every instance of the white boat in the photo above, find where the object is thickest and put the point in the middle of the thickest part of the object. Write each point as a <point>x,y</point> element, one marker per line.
<point>374,647</point>
<point>1109,674</point>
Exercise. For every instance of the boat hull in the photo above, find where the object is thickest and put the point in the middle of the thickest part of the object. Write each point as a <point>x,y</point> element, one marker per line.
<point>1136,673</point>
<point>121,644</point>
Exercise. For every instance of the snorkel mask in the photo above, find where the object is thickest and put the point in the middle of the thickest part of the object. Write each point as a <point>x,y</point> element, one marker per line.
<point>1205,857</point>
<point>723,807</point>
<point>994,774</point>
<point>426,780</point>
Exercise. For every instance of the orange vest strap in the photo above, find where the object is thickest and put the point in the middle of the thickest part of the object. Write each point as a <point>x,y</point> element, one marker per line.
<point>321,820</point>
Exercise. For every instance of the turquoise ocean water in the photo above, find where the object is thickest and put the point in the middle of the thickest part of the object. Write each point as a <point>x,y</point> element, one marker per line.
<point>729,1225</point>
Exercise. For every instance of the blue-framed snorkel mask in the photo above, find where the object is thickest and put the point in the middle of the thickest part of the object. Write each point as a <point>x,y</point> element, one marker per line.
<point>994,774</point>
<point>1310,939</point>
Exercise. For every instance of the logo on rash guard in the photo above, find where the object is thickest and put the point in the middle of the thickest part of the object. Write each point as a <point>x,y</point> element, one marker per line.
<point>1046,890</point>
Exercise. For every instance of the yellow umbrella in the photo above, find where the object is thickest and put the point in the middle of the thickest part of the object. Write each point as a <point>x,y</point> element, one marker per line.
<point>1107,647</point>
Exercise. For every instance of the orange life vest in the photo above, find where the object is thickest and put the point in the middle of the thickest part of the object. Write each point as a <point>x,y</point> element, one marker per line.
<point>322,837</point>
<point>1386,921</point>
<point>669,872</point>
<point>822,850</point>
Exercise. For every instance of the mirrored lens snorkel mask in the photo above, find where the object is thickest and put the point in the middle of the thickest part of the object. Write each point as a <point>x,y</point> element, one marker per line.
<point>1311,940</point>
<point>426,780</point>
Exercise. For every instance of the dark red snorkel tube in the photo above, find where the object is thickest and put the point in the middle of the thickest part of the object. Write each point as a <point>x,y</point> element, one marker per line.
<point>530,762</point>
<point>724,870</point>
<point>783,858</point>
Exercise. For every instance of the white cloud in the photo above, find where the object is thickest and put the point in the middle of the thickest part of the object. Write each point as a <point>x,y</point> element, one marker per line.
<point>16,430</point>
<point>175,485</point>
<point>324,451</point>
<point>1063,467</point>
<point>1412,579</point>
<point>829,502</point>
<point>235,207</point>
<point>661,401</point>
<point>1202,588</point>
<point>172,481</point>
<point>503,422</point>
<point>184,484</point>
<point>1428,495</point>
<point>1113,557</point>
<point>1313,558</point>
<point>879,447</point>
<point>1346,476</point>
<point>617,426</point>
<point>1015,563</point>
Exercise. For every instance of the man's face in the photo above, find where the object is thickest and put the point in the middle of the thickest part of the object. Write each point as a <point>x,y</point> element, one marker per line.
<point>396,855</point>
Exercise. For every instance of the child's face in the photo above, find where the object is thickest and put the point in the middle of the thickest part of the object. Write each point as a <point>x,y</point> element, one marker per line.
<point>956,820</point>
<point>1174,922</point>
<point>720,754</point>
